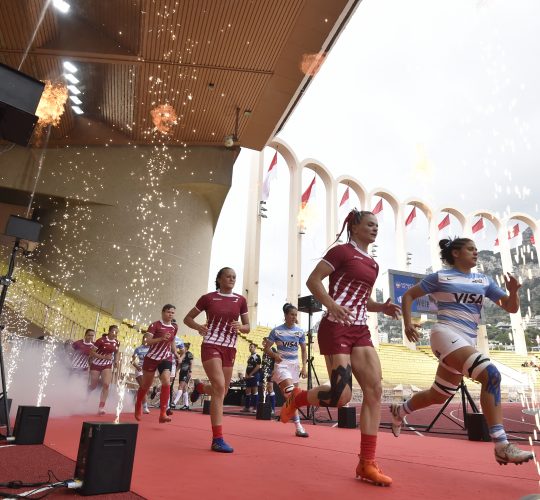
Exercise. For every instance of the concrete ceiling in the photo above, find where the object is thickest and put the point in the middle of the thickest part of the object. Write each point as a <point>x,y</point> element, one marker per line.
<point>205,58</point>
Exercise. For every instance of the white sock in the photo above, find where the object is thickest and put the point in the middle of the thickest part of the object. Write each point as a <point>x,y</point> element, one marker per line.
<point>186,399</point>
<point>177,397</point>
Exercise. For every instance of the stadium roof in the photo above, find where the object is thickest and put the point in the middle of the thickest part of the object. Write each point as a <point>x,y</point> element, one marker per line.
<point>206,58</point>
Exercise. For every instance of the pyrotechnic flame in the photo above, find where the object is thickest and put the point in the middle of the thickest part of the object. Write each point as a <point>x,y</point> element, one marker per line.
<point>311,63</point>
<point>51,106</point>
<point>306,216</point>
<point>164,118</point>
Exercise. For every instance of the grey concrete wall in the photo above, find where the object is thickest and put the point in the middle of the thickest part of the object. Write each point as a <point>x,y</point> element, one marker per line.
<point>125,228</point>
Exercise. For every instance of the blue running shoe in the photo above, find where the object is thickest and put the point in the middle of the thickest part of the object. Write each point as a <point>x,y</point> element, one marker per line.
<point>219,445</point>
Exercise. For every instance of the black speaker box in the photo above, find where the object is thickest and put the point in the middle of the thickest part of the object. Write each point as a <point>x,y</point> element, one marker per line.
<point>105,457</point>
<point>347,417</point>
<point>309,304</point>
<point>264,411</point>
<point>31,424</point>
<point>477,428</point>
<point>206,407</point>
<point>19,98</point>
<point>233,397</point>
<point>3,419</point>
<point>22,228</point>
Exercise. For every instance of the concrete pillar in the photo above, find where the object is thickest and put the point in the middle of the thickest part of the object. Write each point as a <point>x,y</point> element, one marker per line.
<point>252,251</point>
<point>294,241</point>
<point>128,228</point>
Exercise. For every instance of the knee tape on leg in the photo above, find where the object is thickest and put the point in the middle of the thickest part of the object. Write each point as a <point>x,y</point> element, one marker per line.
<point>288,389</point>
<point>340,380</point>
<point>476,363</point>
<point>443,387</point>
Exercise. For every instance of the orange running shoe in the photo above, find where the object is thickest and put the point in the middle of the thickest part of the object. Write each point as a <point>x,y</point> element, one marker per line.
<point>369,471</point>
<point>288,408</point>
<point>163,418</point>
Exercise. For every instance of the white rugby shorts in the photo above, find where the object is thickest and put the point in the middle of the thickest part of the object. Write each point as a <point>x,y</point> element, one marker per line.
<point>286,370</point>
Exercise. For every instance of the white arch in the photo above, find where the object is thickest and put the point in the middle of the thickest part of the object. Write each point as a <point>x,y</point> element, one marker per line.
<point>356,187</point>
<point>331,194</point>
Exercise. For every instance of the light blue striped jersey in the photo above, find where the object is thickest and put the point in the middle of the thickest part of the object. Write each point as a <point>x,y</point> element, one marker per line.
<point>460,297</point>
<point>141,352</point>
<point>287,340</point>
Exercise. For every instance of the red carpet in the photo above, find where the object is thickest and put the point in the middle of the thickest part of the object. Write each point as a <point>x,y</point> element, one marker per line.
<point>30,464</point>
<point>174,459</point>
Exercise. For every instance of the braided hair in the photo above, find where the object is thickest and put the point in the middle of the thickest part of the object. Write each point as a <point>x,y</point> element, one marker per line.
<point>354,217</point>
<point>448,245</point>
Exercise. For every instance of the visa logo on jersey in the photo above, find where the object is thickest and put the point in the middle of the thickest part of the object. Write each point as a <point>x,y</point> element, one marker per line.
<point>469,298</point>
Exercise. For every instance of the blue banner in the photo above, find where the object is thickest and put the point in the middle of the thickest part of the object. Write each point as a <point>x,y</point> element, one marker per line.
<point>400,282</point>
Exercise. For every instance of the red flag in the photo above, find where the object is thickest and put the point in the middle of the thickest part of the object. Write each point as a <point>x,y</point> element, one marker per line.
<point>497,242</point>
<point>345,197</point>
<point>479,224</point>
<point>378,207</point>
<point>445,222</point>
<point>516,229</point>
<point>411,217</point>
<point>307,193</point>
<point>270,175</point>
<point>532,240</point>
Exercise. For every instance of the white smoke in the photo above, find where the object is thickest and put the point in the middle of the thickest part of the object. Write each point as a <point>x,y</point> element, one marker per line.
<point>66,393</point>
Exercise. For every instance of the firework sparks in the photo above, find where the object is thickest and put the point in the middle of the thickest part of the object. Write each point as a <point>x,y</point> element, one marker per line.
<point>52,104</point>
<point>164,118</point>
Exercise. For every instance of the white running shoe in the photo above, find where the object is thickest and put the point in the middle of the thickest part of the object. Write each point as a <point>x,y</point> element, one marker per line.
<point>511,454</point>
<point>146,410</point>
<point>397,421</point>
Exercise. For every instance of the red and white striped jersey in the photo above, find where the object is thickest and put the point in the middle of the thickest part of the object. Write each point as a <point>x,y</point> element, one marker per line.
<point>161,350</point>
<point>221,310</point>
<point>81,352</point>
<point>353,276</point>
<point>105,346</point>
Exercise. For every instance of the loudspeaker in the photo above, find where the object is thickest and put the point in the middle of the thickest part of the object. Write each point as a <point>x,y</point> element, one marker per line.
<point>19,99</point>
<point>105,457</point>
<point>347,417</point>
<point>22,228</point>
<point>264,411</point>
<point>309,304</point>
<point>3,419</point>
<point>233,397</point>
<point>477,428</point>
<point>206,407</point>
<point>31,424</point>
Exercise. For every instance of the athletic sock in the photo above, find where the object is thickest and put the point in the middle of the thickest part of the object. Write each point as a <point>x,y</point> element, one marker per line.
<point>368,445</point>
<point>140,397</point>
<point>254,400</point>
<point>248,401</point>
<point>272,397</point>
<point>177,397</point>
<point>301,399</point>
<point>498,436</point>
<point>296,421</point>
<point>405,408</point>
<point>186,399</point>
<point>217,431</point>
<point>164,399</point>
